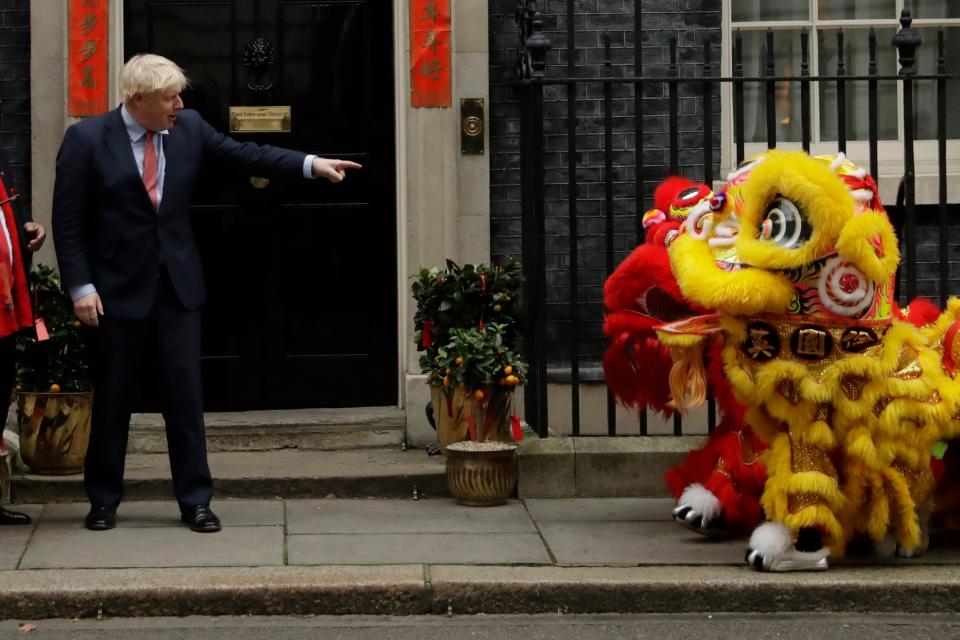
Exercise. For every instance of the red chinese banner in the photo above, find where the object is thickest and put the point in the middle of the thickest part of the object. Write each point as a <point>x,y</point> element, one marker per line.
<point>87,58</point>
<point>430,53</point>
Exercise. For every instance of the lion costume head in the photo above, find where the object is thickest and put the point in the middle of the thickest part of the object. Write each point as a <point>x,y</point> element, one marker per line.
<point>791,234</point>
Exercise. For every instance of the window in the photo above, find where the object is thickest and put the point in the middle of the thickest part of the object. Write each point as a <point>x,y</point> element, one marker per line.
<point>823,20</point>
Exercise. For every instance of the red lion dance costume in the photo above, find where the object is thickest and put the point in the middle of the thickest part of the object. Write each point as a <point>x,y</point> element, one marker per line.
<point>718,487</point>
<point>795,260</point>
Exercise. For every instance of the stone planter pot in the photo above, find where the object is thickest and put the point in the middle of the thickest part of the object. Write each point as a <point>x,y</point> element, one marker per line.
<point>54,431</point>
<point>481,474</point>
<point>451,411</point>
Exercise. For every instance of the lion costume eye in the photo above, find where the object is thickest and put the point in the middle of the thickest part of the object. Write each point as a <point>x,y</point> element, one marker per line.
<point>690,196</point>
<point>784,224</point>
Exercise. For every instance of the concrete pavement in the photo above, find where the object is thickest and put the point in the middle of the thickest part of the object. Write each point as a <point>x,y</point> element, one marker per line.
<point>393,556</point>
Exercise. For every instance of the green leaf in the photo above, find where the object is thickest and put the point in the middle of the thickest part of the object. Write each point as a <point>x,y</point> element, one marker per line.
<point>62,358</point>
<point>939,449</point>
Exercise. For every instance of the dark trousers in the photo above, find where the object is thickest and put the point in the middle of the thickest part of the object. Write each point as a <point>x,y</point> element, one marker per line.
<point>120,348</point>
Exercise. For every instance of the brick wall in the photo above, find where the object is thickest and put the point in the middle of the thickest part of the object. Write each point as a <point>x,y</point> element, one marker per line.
<point>690,22</point>
<point>15,89</point>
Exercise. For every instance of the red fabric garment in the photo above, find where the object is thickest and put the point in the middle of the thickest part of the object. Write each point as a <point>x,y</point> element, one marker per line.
<point>728,465</point>
<point>641,294</point>
<point>15,309</point>
<point>150,170</point>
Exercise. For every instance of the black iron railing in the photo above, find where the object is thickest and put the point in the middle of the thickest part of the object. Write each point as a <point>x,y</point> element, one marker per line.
<point>533,50</point>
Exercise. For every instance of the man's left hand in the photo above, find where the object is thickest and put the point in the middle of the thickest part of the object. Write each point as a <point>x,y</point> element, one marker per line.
<point>37,235</point>
<point>333,170</point>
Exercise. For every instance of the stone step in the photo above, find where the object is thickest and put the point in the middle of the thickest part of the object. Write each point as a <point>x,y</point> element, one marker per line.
<point>283,473</point>
<point>311,429</point>
<point>600,467</point>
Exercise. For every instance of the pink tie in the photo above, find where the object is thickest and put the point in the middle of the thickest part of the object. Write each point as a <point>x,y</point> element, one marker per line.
<point>150,171</point>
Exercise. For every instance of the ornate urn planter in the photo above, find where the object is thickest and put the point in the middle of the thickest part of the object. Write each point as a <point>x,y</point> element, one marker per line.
<point>481,474</point>
<point>54,430</point>
<point>54,401</point>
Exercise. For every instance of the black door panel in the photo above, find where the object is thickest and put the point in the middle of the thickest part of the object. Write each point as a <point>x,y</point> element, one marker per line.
<point>301,273</point>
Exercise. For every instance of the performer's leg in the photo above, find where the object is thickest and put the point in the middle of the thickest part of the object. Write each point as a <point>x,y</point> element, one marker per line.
<point>709,500</point>
<point>910,489</point>
<point>801,500</point>
<point>803,491</point>
<point>178,341</point>
<point>117,347</point>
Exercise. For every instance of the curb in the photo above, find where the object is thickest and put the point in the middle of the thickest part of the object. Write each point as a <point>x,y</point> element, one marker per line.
<point>417,590</point>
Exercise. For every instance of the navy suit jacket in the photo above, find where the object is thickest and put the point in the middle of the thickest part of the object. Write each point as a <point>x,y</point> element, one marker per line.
<point>105,229</point>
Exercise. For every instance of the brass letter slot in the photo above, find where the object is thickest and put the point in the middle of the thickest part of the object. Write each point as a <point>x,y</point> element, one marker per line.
<point>259,119</point>
<point>471,126</point>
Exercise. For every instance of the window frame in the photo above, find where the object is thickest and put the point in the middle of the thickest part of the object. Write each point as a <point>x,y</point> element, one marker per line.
<point>889,152</point>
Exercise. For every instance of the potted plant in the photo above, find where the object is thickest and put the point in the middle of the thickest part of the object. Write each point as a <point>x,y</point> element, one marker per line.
<point>467,329</point>
<point>54,396</point>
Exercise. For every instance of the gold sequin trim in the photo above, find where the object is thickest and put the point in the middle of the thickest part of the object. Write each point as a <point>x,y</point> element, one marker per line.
<point>920,481</point>
<point>881,404</point>
<point>789,390</point>
<point>798,502</point>
<point>852,386</point>
<point>747,453</point>
<point>721,468</point>
<point>805,457</point>
<point>824,413</point>
<point>952,349</point>
<point>908,366</point>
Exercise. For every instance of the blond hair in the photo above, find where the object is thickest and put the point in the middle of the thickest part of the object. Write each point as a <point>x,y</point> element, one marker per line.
<point>148,73</point>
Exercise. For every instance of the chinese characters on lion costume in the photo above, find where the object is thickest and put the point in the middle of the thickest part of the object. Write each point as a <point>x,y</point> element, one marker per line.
<point>794,261</point>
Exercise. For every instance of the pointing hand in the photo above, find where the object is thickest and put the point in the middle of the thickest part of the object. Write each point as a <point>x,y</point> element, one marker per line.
<point>333,170</point>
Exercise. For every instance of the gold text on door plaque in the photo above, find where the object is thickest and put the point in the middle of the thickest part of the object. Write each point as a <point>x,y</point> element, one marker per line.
<point>259,119</point>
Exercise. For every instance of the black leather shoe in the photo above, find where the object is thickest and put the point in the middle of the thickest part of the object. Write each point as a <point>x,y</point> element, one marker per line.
<point>101,518</point>
<point>201,519</point>
<point>13,517</point>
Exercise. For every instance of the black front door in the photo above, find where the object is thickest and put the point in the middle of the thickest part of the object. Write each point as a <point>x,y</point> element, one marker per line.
<point>301,273</point>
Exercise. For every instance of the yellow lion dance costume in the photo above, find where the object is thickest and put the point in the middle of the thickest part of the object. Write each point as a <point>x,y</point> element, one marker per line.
<point>797,257</point>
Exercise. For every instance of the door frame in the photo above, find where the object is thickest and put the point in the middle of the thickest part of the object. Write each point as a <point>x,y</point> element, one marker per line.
<point>442,197</point>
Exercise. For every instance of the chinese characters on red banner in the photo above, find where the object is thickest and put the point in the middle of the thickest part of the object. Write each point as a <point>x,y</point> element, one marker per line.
<point>87,64</point>
<point>430,53</point>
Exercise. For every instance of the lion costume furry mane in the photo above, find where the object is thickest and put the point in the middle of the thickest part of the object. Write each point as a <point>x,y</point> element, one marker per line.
<point>795,259</point>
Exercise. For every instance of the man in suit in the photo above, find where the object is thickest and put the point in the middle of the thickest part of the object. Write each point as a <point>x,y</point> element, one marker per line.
<point>127,254</point>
